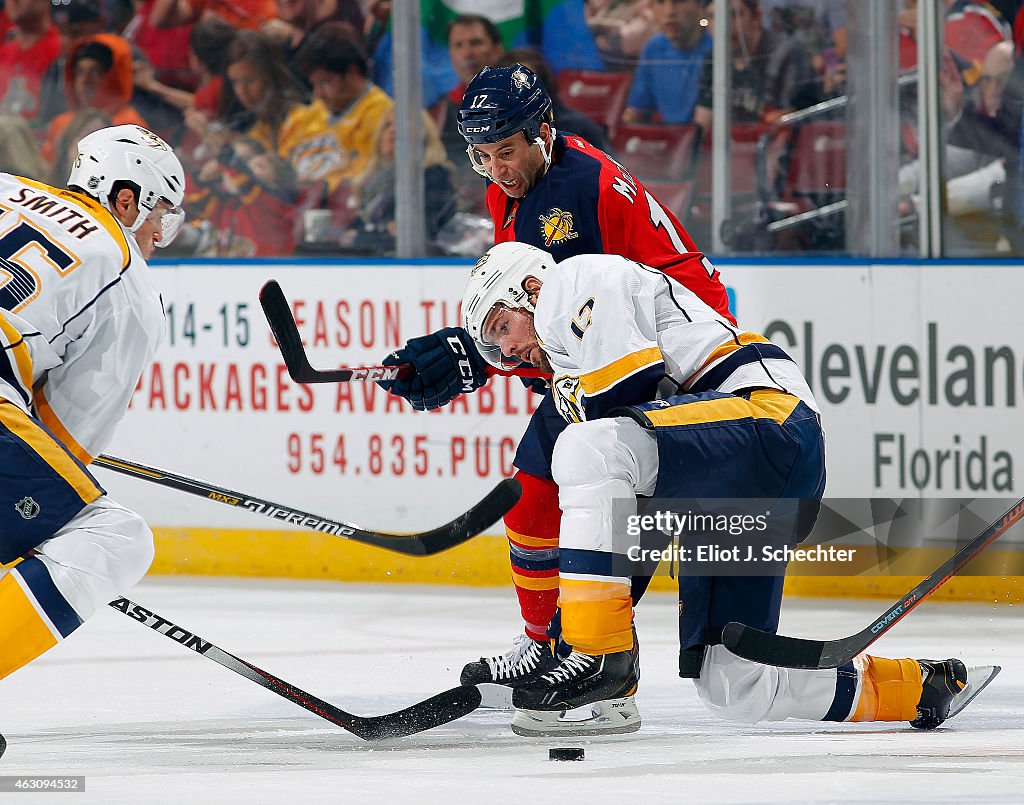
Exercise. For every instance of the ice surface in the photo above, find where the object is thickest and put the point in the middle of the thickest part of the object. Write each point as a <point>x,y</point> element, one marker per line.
<point>148,721</point>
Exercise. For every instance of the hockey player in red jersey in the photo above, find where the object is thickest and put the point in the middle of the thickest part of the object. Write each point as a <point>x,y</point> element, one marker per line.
<point>558,192</point>
<point>80,319</point>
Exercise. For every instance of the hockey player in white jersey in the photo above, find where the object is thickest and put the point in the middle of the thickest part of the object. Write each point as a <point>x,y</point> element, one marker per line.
<point>668,399</point>
<point>80,319</point>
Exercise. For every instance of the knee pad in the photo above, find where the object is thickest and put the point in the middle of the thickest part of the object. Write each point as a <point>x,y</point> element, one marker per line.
<point>605,449</point>
<point>101,552</point>
<point>736,689</point>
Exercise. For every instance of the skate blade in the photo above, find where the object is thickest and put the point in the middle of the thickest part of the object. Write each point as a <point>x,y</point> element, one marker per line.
<point>978,678</point>
<point>610,717</point>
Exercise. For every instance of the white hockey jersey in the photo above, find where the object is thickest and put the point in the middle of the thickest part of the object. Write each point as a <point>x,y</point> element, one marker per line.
<point>620,333</point>
<point>80,317</point>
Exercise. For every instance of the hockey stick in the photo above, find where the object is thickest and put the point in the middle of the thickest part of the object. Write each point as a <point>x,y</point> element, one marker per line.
<point>464,527</point>
<point>794,652</point>
<point>425,715</point>
<point>282,324</point>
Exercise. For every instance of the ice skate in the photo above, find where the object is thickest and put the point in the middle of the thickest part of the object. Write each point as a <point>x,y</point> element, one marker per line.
<point>584,695</point>
<point>949,687</point>
<point>523,663</point>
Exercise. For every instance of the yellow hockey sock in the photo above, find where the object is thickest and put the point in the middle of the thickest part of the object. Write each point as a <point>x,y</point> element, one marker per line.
<point>889,689</point>
<point>597,616</point>
<point>24,632</point>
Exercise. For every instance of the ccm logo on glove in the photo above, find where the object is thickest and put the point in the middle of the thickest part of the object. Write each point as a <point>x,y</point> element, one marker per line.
<point>465,367</point>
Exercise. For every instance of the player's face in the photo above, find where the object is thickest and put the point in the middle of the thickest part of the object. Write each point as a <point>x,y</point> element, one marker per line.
<point>150,233</point>
<point>513,332</point>
<point>513,164</point>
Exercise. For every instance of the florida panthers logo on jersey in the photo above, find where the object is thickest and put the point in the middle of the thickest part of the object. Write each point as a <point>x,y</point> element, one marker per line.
<point>565,393</point>
<point>556,227</point>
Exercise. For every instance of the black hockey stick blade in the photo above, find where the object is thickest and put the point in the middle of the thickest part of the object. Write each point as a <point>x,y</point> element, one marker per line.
<point>425,715</point>
<point>463,528</point>
<point>282,324</point>
<point>795,652</point>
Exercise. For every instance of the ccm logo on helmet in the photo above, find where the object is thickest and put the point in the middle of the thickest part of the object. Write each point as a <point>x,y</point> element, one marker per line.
<point>476,129</point>
<point>465,368</point>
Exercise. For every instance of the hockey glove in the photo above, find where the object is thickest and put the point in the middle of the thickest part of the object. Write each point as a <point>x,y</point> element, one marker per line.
<point>447,364</point>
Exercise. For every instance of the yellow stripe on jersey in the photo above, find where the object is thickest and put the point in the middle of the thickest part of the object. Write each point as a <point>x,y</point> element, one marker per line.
<point>52,421</point>
<point>19,423</point>
<point>22,357</point>
<point>24,634</point>
<point>102,215</point>
<point>600,380</point>
<point>728,348</point>
<point>767,404</point>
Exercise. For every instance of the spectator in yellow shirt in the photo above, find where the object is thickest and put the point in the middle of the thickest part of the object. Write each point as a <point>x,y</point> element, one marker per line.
<point>336,66</point>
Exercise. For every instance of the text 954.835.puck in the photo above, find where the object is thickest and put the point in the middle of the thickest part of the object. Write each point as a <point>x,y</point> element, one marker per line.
<point>566,753</point>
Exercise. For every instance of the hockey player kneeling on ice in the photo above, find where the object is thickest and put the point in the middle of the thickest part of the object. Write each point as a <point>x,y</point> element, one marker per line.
<point>80,320</point>
<point>667,398</point>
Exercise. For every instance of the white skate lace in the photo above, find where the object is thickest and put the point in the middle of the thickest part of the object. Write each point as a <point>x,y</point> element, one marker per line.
<point>523,657</point>
<point>572,666</point>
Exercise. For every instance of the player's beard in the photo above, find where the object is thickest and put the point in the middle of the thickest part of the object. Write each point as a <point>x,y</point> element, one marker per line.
<point>545,364</point>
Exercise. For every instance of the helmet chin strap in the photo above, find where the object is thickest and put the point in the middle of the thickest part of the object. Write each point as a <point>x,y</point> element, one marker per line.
<point>547,150</point>
<point>140,219</point>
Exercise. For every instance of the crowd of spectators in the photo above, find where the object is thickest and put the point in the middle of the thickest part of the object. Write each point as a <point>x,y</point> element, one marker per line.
<point>281,109</point>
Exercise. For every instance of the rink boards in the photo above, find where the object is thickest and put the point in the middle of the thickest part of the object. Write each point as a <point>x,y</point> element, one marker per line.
<point>918,369</point>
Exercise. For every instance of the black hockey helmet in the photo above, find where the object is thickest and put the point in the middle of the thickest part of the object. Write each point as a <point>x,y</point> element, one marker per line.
<point>501,101</point>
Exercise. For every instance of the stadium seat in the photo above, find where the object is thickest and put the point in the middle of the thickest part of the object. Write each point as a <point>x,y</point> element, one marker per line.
<point>806,162</point>
<point>658,153</point>
<point>600,96</point>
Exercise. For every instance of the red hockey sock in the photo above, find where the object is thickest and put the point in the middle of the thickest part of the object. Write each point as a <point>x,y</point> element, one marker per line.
<point>532,528</point>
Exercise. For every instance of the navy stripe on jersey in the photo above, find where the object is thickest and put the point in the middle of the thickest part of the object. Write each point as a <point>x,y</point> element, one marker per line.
<point>590,563</point>
<point>751,353</point>
<point>49,598</point>
<point>90,303</point>
<point>9,372</point>
<point>637,388</point>
<point>846,688</point>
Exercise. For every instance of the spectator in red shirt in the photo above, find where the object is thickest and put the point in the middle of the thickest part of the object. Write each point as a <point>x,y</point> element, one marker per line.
<point>25,58</point>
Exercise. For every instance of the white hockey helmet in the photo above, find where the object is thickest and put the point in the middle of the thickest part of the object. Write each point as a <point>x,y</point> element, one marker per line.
<point>132,154</point>
<point>498,279</point>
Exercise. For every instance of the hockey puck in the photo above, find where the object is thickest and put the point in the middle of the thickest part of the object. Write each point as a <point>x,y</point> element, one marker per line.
<point>3,745</point>
<point>566,753</point>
